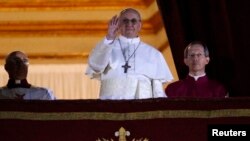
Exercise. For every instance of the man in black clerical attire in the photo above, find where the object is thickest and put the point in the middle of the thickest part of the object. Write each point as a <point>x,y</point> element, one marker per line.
<point>16,65</point>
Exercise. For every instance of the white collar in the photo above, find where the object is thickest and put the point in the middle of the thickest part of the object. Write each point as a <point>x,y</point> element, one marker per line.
<point>17,81</point>
<point>129,40</point>
<point>197,76</point>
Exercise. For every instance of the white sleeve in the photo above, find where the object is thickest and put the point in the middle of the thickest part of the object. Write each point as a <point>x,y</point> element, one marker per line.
<point>158,89</point>
<point>99,58</point>
<point>49,95</point>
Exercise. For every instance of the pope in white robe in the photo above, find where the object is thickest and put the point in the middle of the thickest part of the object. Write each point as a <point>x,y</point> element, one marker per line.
<point>127,67</point>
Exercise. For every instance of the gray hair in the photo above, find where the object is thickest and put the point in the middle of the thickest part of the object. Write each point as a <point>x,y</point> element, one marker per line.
<point>206,51</point>
<point>130,10</point>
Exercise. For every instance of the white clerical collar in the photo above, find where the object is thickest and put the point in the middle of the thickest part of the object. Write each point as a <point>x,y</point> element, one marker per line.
<point>197,76</point>
<point>129,40</point>
<point>17,81</point>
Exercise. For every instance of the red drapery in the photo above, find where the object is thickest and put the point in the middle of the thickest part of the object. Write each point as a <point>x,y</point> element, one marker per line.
<point>224,26</point>
<point>90,120</point>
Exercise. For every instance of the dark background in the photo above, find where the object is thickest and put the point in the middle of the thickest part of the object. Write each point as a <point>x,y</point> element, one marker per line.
<point>224,26</point>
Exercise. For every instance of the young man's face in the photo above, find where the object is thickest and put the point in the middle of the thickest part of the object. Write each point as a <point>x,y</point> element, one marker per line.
<point>17,66</point>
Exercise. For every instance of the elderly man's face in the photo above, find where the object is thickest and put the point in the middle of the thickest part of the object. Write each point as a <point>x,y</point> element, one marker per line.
<point>130,24</point>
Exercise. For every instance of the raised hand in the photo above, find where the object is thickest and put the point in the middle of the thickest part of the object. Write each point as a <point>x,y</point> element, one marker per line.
<point>113,27</point>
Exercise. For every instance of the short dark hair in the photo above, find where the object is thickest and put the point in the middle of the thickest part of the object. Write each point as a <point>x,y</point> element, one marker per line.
<point>206,51</point>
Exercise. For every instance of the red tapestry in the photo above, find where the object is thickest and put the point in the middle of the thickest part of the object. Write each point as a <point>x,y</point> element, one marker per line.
<point>119,120</point>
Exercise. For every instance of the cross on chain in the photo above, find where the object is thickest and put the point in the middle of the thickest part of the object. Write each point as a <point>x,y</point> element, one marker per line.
<point>126,67</point>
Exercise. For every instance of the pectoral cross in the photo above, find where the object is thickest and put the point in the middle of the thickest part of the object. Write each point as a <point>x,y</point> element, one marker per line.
<point>126,67</point>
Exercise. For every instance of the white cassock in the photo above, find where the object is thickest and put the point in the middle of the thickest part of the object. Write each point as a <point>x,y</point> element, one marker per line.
<point>148,69</point>
<point>32,93</point>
